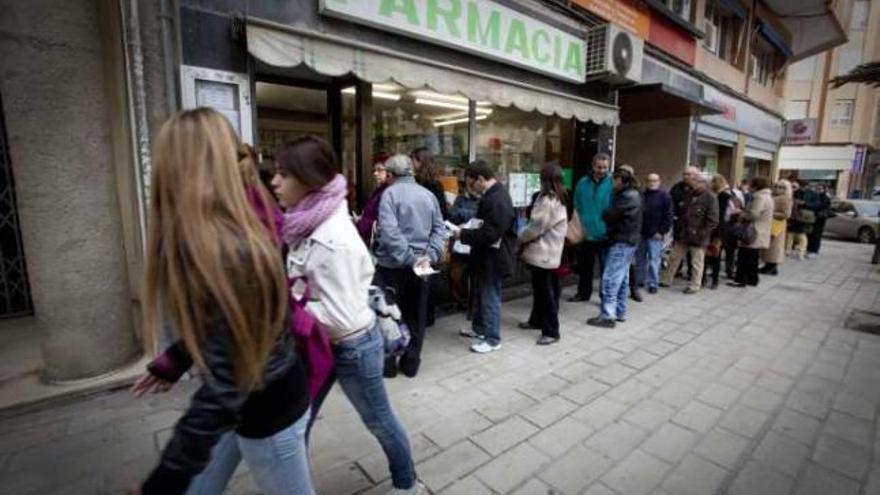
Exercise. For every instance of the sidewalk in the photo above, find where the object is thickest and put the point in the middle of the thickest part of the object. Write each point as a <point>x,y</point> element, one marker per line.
<point>754,391</point>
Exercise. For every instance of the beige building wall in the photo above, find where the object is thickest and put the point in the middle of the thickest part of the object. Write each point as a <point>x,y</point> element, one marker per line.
<point>655,146</point>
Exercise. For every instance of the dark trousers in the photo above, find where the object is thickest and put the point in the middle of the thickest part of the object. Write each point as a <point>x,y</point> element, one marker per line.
<point>747,266</point>
<point>814,238</point>
<point>545,301</point>
<point>588,253</point>
<point>713,269</point>
<point>411,295</point>
<point>730,247</point>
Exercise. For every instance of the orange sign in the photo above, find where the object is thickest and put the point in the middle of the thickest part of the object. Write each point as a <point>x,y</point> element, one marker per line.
<point>627,14</point>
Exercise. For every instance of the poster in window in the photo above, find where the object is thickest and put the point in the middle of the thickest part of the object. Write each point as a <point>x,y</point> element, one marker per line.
<point>222,97</point>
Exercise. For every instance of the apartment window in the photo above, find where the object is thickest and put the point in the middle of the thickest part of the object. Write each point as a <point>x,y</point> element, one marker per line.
<point>848,58</point>
<point>763,67</point>
<point>797,109</point>
<point>803,70</point>
<point>859,19</point>
<point>682,8</point>
<point>722,32</point>
<point>842,113</point>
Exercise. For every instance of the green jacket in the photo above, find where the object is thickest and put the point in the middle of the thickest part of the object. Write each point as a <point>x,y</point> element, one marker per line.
<point>590,199</point>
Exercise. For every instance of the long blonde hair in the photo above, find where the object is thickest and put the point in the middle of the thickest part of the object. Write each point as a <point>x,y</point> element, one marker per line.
<point>206,247</point>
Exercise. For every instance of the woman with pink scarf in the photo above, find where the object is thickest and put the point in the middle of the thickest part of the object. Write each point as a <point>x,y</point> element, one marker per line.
<point>325,248</point>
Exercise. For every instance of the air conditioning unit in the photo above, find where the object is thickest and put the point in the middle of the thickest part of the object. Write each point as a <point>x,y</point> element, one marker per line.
<point>614,55</point>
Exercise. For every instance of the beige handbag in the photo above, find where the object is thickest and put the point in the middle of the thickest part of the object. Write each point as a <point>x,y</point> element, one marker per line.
<point>574,232</point>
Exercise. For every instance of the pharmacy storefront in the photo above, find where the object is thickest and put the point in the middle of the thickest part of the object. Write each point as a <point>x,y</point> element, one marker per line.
<point>467,79</point>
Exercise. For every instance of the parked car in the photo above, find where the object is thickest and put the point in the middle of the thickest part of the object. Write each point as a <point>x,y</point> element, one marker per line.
<point>855,219</point>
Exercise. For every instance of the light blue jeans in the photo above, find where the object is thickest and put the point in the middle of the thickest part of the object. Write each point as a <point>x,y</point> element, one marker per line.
<point>360,362</point>
<point>615,281</point>
<point>648,259</point>
<point>279,464</point>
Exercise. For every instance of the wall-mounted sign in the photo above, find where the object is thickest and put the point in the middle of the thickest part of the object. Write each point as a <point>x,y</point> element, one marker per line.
<point>800,131</point>
<point>742,117</point>
<point>481,27</point>
<point>628,14</point>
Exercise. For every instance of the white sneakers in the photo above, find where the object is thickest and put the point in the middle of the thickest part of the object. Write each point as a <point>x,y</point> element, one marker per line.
<point>418,489</point>
<point>484,347</point>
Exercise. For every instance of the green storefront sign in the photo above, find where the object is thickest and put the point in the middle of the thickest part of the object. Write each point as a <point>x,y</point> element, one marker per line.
<point>481,27</point>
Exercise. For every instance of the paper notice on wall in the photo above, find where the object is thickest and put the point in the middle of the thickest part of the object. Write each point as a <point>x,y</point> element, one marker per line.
<point>222,97</point>
<point>517,186</point>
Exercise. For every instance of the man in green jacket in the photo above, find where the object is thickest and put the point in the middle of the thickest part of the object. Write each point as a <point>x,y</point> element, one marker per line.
<point>591,196</point>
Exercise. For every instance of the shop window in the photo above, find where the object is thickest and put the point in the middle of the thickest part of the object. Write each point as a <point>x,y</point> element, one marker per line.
<point>518,144</point>
<point>848,58</point>
<point>722,31</point>
<point>859,19</point>
<point>797,109</point>
<point>681,8</point>
<point>842,113</point>
<point>406,120</point>
<point>803,70</point>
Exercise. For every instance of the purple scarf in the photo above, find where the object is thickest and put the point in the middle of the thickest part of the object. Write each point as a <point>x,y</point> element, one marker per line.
<point>304,217</point>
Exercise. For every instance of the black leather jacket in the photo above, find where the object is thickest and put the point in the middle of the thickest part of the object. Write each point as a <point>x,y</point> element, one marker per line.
<point>220,406</point>
<point>624,217</point>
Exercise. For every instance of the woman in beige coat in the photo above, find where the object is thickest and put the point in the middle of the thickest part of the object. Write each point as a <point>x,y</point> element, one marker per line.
<point>782,203</point>
<point>540,246</point>
<point>759,213</point>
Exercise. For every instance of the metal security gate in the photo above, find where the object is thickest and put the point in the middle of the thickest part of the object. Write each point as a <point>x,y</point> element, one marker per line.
<point>15,297</point>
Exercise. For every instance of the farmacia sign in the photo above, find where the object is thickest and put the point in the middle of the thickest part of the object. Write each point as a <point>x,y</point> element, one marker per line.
<point>481,27</point>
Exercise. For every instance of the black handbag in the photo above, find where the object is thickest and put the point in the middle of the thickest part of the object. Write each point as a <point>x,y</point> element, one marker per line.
<point>744,232</point>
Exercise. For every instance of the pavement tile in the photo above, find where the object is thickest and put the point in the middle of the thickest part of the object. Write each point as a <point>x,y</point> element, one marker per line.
<point>511,468</point>
<point>638,474</point>
<point>855,405</point>
<point>533,486</point>
<point>780,384</point>
<point>342,479</point>
<point>670,443</point>
<point>760,479</point>
<point>561,436</point>
<point>781,452</point>
<point>505,435</point>
<point>744,421</point>
<point>616,440</point>
<point>840,455</point>
<point>598,413</point>
<point>549,411</point>
<point>574,471</point>
<point>543,387</point>
<point>676,393</point>
<point>450,431</point>
<point>599,489</point>
<point>453,463</point>
<point>467,486</point>
<point>720,396</point>
<point>722,447</point>
<point>584,391</point>
<point>737,378</point>
<point>604,357</point>
<point>695,476</point>
<point>501,406</point>
<point>649,414</point>
<point>698,417</point>
<point>613,374</point>
<point>817,480</point>
<point>630,392</point>
<point>849,428</point>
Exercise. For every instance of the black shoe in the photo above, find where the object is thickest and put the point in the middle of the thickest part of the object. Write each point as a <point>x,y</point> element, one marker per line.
<point>652,290</point>
<point>409,367</point>
<point>545,340</point>
<point>765,269</point>
<point>601,322</point>
<point>578,298</point>
<point>390,370</point>
<point>636,295</point>
<point>690,291</point>
<point>774,272</point>
<point>665,285</point>
<point>524,325</point>
<point>714,285</point>
<point>736,284</point>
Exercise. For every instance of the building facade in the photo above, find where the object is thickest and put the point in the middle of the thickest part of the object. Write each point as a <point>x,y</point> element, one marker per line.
<point>832,134</point>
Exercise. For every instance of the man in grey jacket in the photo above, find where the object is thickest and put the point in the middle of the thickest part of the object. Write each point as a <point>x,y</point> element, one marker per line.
<point>410,234</point>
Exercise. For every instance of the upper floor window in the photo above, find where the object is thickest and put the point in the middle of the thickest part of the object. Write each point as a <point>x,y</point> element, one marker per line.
<point>681,8</point>
<point>859,19</point>
<point>722,32</point>
<point>842,113</point>
<point>763,67</point>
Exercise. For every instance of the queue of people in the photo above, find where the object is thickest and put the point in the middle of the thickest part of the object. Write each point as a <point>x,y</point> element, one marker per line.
<point>271,300</point>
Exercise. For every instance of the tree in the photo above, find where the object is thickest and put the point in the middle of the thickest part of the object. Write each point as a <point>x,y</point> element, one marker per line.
<point>868,73</point>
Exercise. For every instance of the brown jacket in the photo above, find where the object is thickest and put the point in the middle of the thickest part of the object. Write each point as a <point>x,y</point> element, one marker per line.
<point>698,217</point>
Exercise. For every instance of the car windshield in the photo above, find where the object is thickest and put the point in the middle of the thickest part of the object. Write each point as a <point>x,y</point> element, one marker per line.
<point>868,209</point>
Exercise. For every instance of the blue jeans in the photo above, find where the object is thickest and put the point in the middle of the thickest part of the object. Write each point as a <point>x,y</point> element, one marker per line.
<point>360,362</point>
<point>648,259</point>
<point>279,464</point>
<point>615,281</point>
<point>487,317</point>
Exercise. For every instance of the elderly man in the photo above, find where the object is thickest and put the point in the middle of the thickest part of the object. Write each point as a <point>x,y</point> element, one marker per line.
<point>696,217</point>
<point>591,197</point>
<point>656,223</point>
<point>410,232</point>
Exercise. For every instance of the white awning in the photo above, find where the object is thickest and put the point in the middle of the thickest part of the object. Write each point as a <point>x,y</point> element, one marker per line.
<point>287,46</point>
<point>817,157</point>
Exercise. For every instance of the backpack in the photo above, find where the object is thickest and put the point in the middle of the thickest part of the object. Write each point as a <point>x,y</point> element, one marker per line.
<point>312,341</point>
<point>394,331</point>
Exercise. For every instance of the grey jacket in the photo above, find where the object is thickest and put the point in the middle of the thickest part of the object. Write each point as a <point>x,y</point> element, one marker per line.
<point>410,225</point>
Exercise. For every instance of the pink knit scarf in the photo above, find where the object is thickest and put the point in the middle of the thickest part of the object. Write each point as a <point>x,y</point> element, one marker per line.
<point>304,217</point>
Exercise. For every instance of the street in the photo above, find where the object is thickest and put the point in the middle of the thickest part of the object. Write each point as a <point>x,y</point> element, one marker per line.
<point>741,391</point>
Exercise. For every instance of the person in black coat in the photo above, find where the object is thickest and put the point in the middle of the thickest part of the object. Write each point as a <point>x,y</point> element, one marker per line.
<point>624,221</point>
<point>492,253</point>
